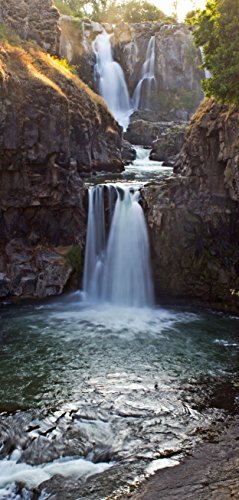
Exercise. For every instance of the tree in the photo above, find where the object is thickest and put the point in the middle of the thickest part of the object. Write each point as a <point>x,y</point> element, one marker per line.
<point>216,29</point>
<point>113,11</point>
<point>136,11</point>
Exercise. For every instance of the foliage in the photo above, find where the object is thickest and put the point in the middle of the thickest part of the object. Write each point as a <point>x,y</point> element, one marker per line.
<point>216,29</point>
<point>8,35</point>
<point>135,11</point>
<point>74,256</point>
<point>64,8</point>
<point>114,11</point>
<point>64,64</point>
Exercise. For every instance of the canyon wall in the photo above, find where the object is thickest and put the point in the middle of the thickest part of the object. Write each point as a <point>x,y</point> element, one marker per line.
<point>193,217</point>
<point>33,20</point>
<point>53,130</point>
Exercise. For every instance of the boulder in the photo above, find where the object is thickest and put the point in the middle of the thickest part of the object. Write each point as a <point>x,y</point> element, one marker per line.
<point>169,144</point>
<point>128,153</point>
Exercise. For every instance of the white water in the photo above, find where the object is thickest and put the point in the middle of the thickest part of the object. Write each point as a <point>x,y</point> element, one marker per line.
<point>117,271</point>
<point>111,81</point>
<point>207,73</point>
<point>13,470</point>
<point>142,100</point>
<point>144,170</point>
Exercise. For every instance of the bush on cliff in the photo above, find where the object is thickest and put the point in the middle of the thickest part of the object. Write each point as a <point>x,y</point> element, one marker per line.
<point>216,29</point>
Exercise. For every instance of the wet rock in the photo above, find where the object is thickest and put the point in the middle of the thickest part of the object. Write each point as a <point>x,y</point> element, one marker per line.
<point>128,153</point>
<point>211,472</point>
<point>165,138</point>
<point>169,144</point>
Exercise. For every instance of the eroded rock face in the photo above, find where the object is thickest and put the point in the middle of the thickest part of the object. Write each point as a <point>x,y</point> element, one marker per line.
<point>176,89</point>
<point>168,144</point>
<point>52,130</point>
<point>33,20</point>
<point>194,217</point>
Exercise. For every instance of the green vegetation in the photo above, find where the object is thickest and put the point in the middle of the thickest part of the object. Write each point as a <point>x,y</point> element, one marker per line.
<point>64,64</point>
<point>64,8</point>
<point>8,35</point>
<point>113,11</point>
<point>216,29</point>
<point>75,258</point>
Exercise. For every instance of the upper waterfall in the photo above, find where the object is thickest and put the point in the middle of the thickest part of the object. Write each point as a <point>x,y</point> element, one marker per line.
<point>111,81</point>
<point>117,269</point>
<point>141,95</point>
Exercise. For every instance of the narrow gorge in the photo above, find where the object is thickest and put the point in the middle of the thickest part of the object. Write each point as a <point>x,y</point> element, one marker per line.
<point>119,255</point>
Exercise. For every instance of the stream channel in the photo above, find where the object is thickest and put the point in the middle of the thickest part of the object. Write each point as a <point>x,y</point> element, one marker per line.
<point>95,396</point>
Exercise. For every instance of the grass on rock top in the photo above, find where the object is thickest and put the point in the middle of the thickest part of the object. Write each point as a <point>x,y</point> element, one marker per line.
<point>27,61</point>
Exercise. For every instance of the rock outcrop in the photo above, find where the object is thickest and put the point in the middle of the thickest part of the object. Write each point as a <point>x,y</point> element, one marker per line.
<point>168,144</point>
<point>33,20</point>
<point>52,129</point>
<point>194,217</point>
<point>176,90</point>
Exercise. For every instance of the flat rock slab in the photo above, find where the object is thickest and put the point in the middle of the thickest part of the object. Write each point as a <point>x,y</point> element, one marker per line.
<point>212,472</point>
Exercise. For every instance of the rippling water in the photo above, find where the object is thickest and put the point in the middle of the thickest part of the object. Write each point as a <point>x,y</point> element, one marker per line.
<point>120,388</point>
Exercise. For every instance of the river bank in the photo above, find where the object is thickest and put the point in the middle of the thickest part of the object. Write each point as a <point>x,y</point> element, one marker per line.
<point>211,472</point>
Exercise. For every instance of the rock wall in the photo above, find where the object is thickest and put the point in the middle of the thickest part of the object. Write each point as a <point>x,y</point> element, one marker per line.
<point>176,92</point>
<point>52,130</point>
<point>33,20</point>
<point>194,217</point>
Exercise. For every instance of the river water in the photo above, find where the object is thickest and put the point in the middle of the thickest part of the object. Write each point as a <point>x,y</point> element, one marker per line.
<point>94,397</point>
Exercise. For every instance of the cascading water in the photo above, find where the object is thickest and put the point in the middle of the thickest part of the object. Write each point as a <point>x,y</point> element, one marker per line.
<point>207,73</point>
<point>117,271</point>
<point>110,79</point>
<point>141,95</point>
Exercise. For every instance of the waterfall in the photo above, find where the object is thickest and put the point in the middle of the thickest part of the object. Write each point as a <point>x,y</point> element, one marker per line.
<point>117,269</point>
<point>207,73</point>
<point>111,81</point>
<point>141,100</point>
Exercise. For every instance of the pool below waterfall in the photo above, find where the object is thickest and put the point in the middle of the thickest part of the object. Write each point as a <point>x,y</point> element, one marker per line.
<point>98,389</point>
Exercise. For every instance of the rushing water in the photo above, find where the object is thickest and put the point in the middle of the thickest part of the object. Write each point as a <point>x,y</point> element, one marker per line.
<point>111,81</point>
<point>142,92</point>
<point>107,387</point>
<point>95,396</point>
<point>117,269</point>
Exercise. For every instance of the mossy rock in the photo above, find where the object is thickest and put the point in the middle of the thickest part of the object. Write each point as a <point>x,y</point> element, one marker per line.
<point>74,257</point>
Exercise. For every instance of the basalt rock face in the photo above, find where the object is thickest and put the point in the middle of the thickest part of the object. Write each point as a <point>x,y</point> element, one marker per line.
<point>193,217</point>
<point>52,130</point>
<point>33,20</point>
<point>175,92</point>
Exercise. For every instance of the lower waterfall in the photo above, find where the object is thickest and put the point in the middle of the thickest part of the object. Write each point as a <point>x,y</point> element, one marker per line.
<point>117,267</point>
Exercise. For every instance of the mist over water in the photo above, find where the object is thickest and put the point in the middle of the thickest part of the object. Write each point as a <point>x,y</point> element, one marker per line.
<point>117,268</point>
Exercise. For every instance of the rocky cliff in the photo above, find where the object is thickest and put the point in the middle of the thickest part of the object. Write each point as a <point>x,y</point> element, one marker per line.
<point>33,20</point>
<point>193,217</point>
<point>52,129</point>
